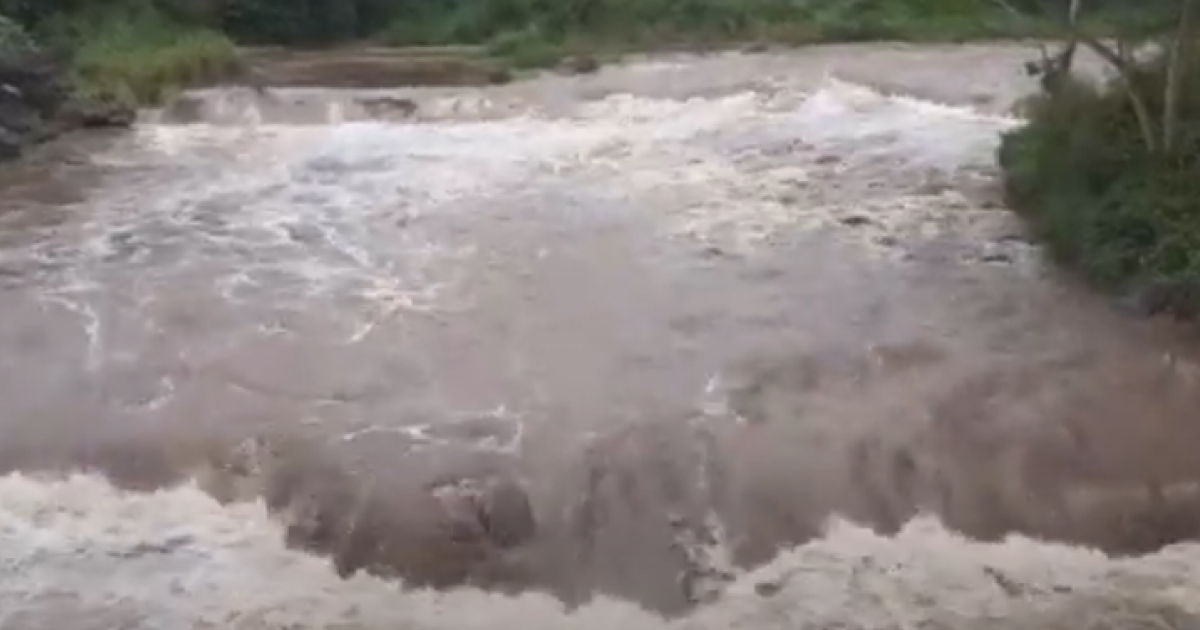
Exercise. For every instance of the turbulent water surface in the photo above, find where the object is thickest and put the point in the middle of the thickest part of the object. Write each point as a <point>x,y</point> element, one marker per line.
<point>753,332</point>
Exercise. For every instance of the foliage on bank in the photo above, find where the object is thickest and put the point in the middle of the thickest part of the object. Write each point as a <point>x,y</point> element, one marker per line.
<point>1108,174</point>
<point>143,49</point>
<point>14,40</point>
<point>128,51</point>
<point>141,55</point>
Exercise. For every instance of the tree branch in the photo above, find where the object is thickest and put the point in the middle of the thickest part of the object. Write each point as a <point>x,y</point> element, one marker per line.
<point>1128,73</point>
<point>1177,57</point>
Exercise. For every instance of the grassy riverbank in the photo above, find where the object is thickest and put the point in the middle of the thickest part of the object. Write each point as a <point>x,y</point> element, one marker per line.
<point>142,50</point>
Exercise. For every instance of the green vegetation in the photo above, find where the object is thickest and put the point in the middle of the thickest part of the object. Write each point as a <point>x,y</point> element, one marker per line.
<point>143,56</point>
<point>143,49</point>
<point>13,39</point>
<point>133,52</point>
<point>537,32</point>
<point>1107,172</point>
<point>624,24</point>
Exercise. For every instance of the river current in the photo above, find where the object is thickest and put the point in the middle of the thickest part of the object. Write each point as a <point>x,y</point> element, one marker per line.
<point>754,333</point>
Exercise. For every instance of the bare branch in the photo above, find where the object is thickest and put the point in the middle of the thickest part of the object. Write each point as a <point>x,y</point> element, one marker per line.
<point>1017,13</point>
<point>1127,71</point>
<point>1067,57</point>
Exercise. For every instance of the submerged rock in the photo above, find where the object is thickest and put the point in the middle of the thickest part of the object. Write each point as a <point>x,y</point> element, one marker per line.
<point>494,510</point>
<point>96,113</point>
<point>452,531</point>
<point>388,107</point>
<point>37,102</point>
<point>580,64</point>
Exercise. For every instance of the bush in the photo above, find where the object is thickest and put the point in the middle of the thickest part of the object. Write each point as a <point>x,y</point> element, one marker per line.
<point>691,23</point>
<point>1106,205</point>
<point>138,54</point>
<point>525,49</point>
<point>146,48</point>
<point>14,40</point>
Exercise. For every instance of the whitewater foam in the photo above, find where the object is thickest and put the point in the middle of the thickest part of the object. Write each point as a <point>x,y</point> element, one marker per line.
<point>78,548</point>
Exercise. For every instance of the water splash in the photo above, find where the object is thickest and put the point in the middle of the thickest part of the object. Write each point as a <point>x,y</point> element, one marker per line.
<point>178,559</point>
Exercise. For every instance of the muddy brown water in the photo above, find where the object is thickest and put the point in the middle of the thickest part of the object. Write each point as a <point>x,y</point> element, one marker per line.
<point>753,331</point>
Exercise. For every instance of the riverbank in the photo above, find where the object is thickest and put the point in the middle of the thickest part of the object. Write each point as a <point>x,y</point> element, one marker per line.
<point>1111,190</point>
<point>145,52</point>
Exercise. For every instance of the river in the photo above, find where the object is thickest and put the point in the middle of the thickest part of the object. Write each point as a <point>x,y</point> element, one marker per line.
<point>754,332</point>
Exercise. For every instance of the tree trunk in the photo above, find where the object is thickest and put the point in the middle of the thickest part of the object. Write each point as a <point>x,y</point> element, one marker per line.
<point>1177,58</point>
<point>1067,57</point>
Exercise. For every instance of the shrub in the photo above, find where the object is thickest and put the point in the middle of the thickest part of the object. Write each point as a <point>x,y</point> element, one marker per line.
<point>525,49</point>
<point>657,23</point>
<point>139,54</point>
<point>1123,215</point>
<point>13,39</point>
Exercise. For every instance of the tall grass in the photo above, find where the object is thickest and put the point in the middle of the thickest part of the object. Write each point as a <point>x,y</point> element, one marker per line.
<point>134,54</point>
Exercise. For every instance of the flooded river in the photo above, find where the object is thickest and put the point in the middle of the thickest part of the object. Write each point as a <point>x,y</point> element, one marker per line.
<point>752,335</point>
